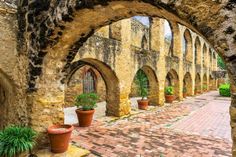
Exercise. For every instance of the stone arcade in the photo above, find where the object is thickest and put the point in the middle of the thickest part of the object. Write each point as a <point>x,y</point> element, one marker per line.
<point>44,42</point>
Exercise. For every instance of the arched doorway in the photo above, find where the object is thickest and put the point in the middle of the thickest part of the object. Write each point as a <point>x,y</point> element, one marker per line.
<point>151,83</point>
<point>197,84</point>
<point>172,79</point>
<point>205,84</point>
<point>187,84</point>
<point>187,42</point>
<point>97,77</point>
<point>197,51</point>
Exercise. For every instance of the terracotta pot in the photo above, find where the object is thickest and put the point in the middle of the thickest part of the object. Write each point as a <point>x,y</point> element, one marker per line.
<point>143,104</point>
<point>169,98</point>
<point>184,94</point>
<point>59,136</point>
<point>85,117</point>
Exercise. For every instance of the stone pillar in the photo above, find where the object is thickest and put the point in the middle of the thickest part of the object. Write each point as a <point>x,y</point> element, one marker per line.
<point>193,67</point>
<point>124,68</point>
<point>158,44</point>
<point>207,67</point>
<point>201,63</point>
<point>178,49</point>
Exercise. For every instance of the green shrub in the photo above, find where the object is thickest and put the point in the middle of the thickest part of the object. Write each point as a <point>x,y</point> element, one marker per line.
<point>204,87</point>
<point>86,101</point>
<point>225,90</point>
<point>15,140</point>
<point>169,90</point>
<point>141,81</point>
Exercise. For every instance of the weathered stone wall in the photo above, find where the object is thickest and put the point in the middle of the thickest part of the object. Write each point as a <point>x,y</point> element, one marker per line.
<point>13,68</point>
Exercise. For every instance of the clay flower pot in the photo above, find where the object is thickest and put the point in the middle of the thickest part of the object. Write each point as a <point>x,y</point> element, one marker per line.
<point>59,136</point>
<point>169,98</point>
<point>85,117</point>
<point>143,104</point>
<point>184,94</point>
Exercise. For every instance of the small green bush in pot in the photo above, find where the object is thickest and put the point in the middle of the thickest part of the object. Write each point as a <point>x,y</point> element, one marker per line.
<point>169,90</point>
<point>86,103</point>
<point>224,90</point>
<point>169,94</point>
<point>15,140</point>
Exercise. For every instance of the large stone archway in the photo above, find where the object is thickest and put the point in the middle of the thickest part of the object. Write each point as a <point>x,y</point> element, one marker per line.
<point>49,31</point>
<point>111,82</point>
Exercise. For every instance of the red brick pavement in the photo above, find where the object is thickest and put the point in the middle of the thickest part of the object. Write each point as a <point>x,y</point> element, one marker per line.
<point>154,134</point>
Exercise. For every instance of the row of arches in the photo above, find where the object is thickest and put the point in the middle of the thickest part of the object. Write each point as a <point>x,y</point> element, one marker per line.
<point>96,69</point>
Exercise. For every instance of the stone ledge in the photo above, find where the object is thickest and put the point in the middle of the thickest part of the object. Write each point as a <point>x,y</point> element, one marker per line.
<point>73,151</point>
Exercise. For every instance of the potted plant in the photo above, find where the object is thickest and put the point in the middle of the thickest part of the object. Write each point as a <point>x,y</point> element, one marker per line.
<point>59,136</point>
<point>204,88</point>
<point>184,92</point>
<point>169,94</point>
<point>141,81</point>
<point>15,140</point>
<point>85,108</point>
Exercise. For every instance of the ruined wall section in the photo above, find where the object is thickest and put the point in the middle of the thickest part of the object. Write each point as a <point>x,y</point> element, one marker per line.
<point>13,69</point>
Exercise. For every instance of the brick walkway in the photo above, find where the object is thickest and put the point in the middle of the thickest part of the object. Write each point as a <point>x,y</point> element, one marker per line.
<point>196,127</point>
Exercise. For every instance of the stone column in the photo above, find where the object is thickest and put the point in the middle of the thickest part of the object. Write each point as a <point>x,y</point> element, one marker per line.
<point>158,44</point>
<point>207,67</point>
<point>201,63</point>
<point>178,49</point>
<point>193,68</point>
<point>124,68</point>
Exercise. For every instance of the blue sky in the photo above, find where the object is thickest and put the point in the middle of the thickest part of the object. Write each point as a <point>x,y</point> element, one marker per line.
<point>145,20</point>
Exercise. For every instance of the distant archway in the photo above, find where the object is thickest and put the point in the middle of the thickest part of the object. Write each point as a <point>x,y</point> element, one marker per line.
<point>153,85</point>
<point>172,79</point>
<point>110,79</point>
<point>197,51</point>
<point>187,83</point>
<point>197,84</point>
<point>188,45</point>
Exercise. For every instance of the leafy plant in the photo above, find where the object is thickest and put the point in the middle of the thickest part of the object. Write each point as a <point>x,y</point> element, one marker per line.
<point>184,90</point>
<point>169,90</point>
<point>225,90</point>
<point>221,63</point>
<point>15,140</point>
<point>204,87</point>
<point>86,101</point>
<point>142,81</point>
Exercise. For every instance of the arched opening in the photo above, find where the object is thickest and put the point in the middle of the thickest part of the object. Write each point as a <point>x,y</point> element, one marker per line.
<point>91,75</point>
<point>151,84</point>
<point>197,84</point>
<point>187,45</point>
<point>205,84</point>
<point>144,43</point>
<point>168,34</point>
<point>172,79</point>
<point>212,83</point>
<point>187,84</point>
<point>204,55</point>
<point>197,51</point>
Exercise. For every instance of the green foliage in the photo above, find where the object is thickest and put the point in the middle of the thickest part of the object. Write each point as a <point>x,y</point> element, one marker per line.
<point>169,90</point>
<point>204,87</point>
<point>225,90</point>
<point>184,90</point>
<point>221,63</point>
<point>86,101</point>
<point>142,81</point>
<point>15,140</point>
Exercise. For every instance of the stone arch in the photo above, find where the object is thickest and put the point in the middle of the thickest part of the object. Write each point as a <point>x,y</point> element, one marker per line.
<point>197,84</point>
<point>188,45</point>
<point>205,84</point>
<point>173,79</point>
<point>212,83</point>
<point>168,36</point>
<point>197,51</point>
<point>110,79</point>
<point>144,42</point>
<point>153,85</point>
<point>187,83</point>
